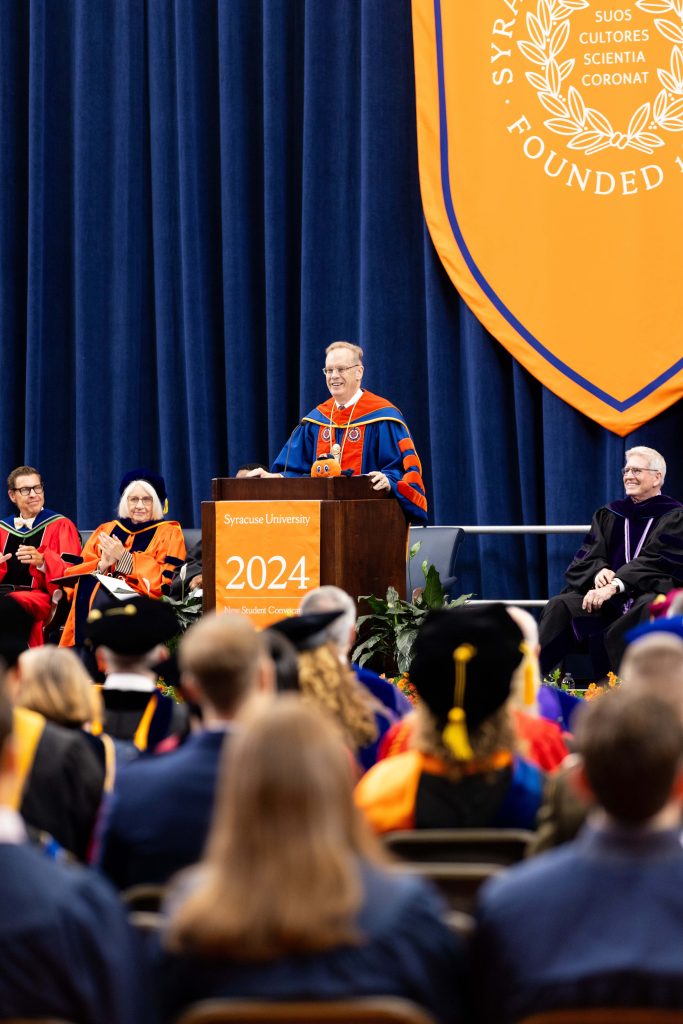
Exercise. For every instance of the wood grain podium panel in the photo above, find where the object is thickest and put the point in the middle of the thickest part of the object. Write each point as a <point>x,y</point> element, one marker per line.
<point>363,532</point>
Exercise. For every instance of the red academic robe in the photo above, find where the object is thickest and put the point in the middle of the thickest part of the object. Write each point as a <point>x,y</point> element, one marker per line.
<point>54,536</point>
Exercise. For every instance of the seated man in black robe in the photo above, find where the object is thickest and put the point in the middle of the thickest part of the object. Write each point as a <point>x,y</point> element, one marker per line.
<point>633,552</point>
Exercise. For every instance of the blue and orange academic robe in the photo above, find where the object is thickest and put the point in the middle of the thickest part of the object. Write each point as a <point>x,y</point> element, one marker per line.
<point>372,435</point>
<point>53,535</point>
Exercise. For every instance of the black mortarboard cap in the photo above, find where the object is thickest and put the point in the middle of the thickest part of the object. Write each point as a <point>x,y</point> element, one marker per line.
<point>302,630</point>
<point>492,657</point>
<point>132,627</point>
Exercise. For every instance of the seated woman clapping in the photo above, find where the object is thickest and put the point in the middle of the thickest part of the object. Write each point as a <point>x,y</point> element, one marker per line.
<point>294,897</point>
<point>140,548</point>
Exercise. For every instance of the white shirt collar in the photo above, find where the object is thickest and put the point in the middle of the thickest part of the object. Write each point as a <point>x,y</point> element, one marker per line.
<point>12,828</point>
<point>129,681</point>
<point>19,521</point>
<point>351,401</point>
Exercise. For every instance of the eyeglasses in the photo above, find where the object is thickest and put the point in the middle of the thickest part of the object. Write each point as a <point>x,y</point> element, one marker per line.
<point>25,491</point>
<point>330,371</point>
<point>147,502</point>
<point>637,471</point>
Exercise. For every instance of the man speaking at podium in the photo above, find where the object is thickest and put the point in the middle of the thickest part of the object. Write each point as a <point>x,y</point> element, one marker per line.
<point>366,434</point>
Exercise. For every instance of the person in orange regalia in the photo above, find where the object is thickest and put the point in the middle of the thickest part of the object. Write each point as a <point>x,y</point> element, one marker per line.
<point>140,547</point>
<point>366,434</point>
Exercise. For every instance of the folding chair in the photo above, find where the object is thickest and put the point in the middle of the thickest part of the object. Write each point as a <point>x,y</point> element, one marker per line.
<point>370,1010</point>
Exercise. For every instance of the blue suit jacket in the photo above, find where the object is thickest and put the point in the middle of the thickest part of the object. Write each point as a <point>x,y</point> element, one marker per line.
<point>65,946</point>
<point>157,819</point>
<point>597,922</point>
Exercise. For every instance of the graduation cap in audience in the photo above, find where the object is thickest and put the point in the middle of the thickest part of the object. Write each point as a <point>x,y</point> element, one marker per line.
<point>15,629</point>
<point>132,627</point>
<point>303,630</point>
<point>674,624</point>
<point>154,480</point>
<point>464,660</point>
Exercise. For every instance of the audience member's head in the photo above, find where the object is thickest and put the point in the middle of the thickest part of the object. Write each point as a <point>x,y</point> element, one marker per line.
<point>464,660</point>
<point>132,636</point>
<point>53,681</point>
<point>286,832</point>
<point>341,631</point>
<point>631,746</point>
<point>223,662</point>
<point>283,654</point>
<point>326,680</point>
<point>653,665</point>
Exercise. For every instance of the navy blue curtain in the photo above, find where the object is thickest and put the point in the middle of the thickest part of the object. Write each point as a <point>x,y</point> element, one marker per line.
<point>198,196</point>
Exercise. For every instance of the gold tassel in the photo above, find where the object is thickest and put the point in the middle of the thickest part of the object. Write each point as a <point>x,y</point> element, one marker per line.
<point>455,736</point>
<point>165,508</point>
<point>529,676</point>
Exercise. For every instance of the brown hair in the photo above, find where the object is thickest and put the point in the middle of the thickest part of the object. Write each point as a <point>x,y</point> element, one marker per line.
<point>632,747</point>
<point>223,653</point>
<point>54,682</point>
<point>333,687</point>
<point>21,471</point>
<point>281,871</point>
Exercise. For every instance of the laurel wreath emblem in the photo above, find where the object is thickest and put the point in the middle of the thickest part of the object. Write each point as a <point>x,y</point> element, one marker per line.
<point>589,129</point>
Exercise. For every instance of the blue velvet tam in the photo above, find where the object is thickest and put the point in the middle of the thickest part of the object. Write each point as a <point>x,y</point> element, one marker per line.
<point>664,625</point>
<point>155,480</point>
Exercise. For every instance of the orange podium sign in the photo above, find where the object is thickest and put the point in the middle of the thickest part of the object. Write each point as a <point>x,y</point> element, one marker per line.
<point>267,557</point>
<point>550,136</point>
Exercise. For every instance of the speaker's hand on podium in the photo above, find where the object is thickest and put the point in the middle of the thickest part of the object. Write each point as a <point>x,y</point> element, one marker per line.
<point>260,472</point>
<point>380,482</point>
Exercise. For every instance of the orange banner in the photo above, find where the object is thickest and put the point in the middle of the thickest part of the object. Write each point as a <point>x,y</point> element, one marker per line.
<point>267,557</point>
<point>551,168</point>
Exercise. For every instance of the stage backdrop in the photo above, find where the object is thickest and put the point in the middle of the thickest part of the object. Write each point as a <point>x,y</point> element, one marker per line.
<point>197,196</point>
<point>549,138</point>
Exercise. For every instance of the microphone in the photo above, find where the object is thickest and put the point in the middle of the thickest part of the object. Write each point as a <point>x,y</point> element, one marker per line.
<point>289,446</point>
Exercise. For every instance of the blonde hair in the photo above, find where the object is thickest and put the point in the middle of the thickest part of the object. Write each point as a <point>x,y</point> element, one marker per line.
<point>355,350</point>
<point>494,734</point>
<point>157,510</point>
<point>54,682</point>
<point>333,687</point>
<point>281,871</point>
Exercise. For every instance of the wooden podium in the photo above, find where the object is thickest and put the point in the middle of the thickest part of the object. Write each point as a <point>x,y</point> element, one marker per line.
<point>363,533</point>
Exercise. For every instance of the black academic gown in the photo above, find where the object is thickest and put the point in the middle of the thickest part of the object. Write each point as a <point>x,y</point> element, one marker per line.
<point>654,569</point>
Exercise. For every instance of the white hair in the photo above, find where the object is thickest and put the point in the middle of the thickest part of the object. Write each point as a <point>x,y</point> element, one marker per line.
<point>332,599</point>
<point>157,510</point>
<point>655,461</point>
<point>355,350</point>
